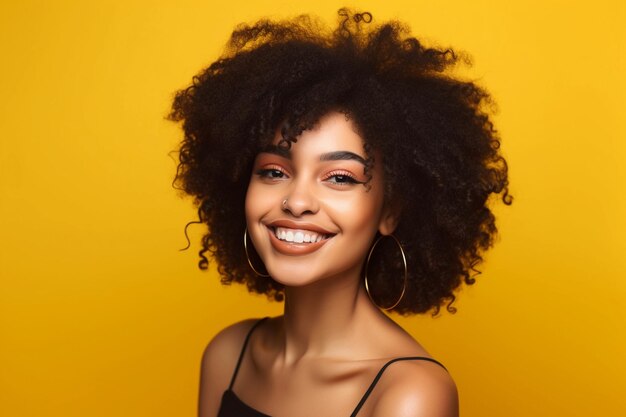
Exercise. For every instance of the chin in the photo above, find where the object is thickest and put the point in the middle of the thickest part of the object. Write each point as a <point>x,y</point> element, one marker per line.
<point>294,276</point>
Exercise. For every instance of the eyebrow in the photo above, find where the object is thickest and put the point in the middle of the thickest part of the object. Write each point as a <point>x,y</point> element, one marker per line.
<point>285,153</point>
<point>342,156</point>
<point>330,156</point>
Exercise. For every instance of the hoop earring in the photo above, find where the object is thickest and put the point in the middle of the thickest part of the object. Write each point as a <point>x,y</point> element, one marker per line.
<point>245,248</point>
<point>406,273</point>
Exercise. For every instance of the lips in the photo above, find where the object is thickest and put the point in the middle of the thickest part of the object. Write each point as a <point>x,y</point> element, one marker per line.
<point>294,238</point>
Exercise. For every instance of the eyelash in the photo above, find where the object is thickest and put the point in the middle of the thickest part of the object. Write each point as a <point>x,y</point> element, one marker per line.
<point>348,178</point>
<point>265,172</point>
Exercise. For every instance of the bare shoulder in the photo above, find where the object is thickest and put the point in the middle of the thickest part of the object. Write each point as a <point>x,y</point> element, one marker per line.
<point>227,343</point>
<point>416,388</point>
<point>218,363</point>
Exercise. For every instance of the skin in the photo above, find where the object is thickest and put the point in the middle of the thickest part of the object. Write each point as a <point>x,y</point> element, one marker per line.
<point>319,357</point>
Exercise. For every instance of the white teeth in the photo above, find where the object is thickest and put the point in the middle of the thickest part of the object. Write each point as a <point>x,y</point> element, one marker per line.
<point>297,236</point>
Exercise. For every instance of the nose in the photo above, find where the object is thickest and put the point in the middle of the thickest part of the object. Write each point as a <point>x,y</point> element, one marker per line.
<point>300,200</point>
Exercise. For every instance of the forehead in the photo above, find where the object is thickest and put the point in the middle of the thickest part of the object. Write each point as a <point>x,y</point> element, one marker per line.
<point>333,132</point>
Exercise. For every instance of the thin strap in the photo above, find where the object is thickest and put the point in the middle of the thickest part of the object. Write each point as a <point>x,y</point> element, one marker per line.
<point>380,373</point>
<point>243,349</point>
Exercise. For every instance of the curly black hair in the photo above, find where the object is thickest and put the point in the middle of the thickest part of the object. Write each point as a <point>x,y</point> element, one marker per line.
<point>440,150</point>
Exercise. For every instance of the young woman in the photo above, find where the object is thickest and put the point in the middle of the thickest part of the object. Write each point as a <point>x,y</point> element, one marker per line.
<point>344,172</point>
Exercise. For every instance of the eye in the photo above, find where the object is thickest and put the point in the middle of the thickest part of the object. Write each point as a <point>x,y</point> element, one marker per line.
<point>271,173</point>
<point>341,178</point>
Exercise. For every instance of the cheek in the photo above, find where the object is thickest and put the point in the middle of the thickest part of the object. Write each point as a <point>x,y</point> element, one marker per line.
<point>361,212</point>
<point>259,200</point>
<point>251,204</point>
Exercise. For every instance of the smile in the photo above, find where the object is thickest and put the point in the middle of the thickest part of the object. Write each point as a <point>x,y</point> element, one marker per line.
<point>298,235</point>
<point>295,242</point>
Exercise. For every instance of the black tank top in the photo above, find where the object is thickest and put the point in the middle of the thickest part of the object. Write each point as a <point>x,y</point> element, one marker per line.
<point>232,406</point>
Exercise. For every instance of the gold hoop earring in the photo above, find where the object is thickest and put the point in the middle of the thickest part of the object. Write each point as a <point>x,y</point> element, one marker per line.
<point>406,273</point>
<point>245,248</point>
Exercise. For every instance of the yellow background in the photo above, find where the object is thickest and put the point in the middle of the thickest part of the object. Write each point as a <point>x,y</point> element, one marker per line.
<point>101,315</point>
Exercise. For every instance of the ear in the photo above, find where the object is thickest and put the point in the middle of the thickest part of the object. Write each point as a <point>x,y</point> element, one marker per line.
<point>389,219</point>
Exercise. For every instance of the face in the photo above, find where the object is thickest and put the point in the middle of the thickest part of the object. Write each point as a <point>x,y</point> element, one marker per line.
<point>308,213</point>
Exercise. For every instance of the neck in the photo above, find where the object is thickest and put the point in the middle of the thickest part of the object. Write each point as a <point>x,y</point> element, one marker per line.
<point>325,318</point>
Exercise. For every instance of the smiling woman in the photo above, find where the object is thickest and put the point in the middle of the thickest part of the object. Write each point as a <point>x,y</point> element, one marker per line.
<point>316,190</point>
<point>317,147</point>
